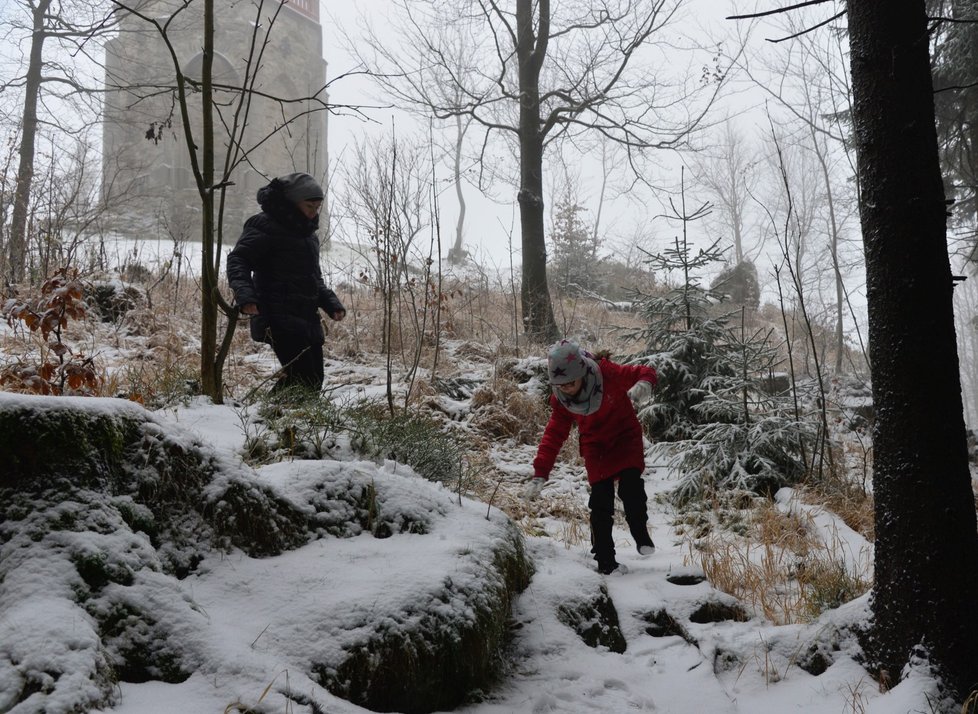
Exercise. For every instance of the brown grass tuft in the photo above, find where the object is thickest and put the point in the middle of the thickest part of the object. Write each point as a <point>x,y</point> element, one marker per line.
<point>502,410</point>
<point>780,567</point>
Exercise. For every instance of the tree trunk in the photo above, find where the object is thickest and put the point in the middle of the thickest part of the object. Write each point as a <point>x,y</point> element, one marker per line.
<point>457,254</point>
<point>17,243</point>
<point>538,316</point>
<point>820,154</point>
<point>210,375</point>
<point>926,542</point>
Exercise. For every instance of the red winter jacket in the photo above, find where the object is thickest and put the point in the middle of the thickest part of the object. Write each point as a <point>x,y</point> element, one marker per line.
<point>611,438</point>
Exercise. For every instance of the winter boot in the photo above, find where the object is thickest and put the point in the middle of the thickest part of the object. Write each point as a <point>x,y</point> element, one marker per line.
<point>612,569</point>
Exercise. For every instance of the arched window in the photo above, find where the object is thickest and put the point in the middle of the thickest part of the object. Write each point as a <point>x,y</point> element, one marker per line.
<point>222,71</point>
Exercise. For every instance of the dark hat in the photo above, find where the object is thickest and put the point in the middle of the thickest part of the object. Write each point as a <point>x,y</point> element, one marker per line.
<point>300,187</point>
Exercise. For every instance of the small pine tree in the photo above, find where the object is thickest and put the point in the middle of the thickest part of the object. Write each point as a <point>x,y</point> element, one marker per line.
<point>727,432</point>
<point>575,258</point>
<point>689,345</point>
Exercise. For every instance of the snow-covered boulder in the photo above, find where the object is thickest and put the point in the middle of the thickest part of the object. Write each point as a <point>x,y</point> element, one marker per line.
<point>124,541</point>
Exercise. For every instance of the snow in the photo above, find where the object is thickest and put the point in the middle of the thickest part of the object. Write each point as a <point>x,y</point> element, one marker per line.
<point>837,537</point>
<point>249,627</point>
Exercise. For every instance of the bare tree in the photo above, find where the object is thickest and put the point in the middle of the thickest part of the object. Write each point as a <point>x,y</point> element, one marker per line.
<point>810,82</point>
<point>380,194</point>
<point>729,174</point>
<point>457,253</point>
<point>545,73</point>
<point>966,324</point>
<point>72,27</point>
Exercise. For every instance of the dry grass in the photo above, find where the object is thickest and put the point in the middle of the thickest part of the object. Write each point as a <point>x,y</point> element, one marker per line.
<point>562,517</point>
<point>501,410</point>
<point>970,705</point>
<point>780,567</point>
<point>848,501</point>
<point>841,491</point>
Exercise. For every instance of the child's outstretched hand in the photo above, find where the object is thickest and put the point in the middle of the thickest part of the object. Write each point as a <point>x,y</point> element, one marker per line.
<point>640,393</point>
<point>533,489</point>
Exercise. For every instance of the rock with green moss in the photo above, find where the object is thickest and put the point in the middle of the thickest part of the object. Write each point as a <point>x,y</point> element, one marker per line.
<point>595,620</point>
<point>113,522</point>
<point>437,652</point>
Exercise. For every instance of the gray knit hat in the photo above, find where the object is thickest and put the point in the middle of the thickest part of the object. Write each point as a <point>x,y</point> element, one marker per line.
<point>566,361</point>
<point>300,187</point>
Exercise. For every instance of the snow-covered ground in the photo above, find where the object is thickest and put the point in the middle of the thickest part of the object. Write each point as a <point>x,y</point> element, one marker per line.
<point>253,621</point>
<point>257,617</point>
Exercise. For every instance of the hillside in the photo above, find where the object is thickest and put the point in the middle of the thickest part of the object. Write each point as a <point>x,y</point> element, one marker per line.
<point>243,630</point>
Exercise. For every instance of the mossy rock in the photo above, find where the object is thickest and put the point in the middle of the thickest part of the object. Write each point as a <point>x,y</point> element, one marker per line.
<point>259,523</point>
<point>139,647</point>
<point>67,449</point>
<point>87,471</point>
<point>113,299</point>
<point>595,621</point>
<point>661,624</point>
<point>46,439</point>
<point>715,611</point>
<point>426,660</point>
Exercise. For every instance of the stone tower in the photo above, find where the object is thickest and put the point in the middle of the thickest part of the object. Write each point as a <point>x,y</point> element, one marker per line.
<point>147,178</point>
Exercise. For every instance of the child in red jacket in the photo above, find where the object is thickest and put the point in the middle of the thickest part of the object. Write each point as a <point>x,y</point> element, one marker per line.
<point>598,396</point>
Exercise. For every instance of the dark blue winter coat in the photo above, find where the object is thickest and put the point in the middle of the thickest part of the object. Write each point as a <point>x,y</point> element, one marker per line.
<point>275,264</point>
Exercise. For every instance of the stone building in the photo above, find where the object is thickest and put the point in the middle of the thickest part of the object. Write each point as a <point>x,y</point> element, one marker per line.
<point>148,183</point>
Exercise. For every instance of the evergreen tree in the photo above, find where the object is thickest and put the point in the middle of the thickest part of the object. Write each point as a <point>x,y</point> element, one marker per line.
<point>727,432</point>
<point>575,250</point>
<point>953,63</point>
<point>739,284</point>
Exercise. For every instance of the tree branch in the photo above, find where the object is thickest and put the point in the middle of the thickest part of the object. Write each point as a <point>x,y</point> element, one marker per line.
<point>810,29</point>
<point>778,11</point>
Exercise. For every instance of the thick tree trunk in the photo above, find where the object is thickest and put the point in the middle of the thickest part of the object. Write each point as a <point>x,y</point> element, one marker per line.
<point>17,242</point>
<point>538,316</point>
<point>926,542</point>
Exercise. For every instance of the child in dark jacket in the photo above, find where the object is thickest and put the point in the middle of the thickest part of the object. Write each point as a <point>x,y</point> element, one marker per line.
<point>598,395</point>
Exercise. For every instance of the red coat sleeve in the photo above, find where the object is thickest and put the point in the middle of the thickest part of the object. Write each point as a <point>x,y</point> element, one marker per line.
<point>554,436</point>
<point>634,373</point>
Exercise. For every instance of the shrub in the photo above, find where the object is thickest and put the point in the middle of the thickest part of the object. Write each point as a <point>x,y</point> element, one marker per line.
<point>409,438</point>
<point>56,367</point>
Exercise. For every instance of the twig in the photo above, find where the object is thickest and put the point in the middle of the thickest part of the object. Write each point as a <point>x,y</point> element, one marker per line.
<point>492,497</point>
<point>260,634</point>
<point>810,29</point>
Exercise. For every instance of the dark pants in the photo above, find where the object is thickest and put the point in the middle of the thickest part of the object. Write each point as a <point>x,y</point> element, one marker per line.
<point>302,364</point>
<point>631,490</point>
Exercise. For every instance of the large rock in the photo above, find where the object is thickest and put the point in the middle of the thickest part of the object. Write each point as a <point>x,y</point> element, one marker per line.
<point>113,520</point>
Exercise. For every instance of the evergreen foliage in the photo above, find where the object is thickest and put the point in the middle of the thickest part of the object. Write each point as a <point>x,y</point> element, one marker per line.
<point>575,250</point>
<point>409,438</point>
<point>577,268</point>
<point>687,341</point>
<point>710,402</point>
<point>953,60</point>
<point>739,284</point>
